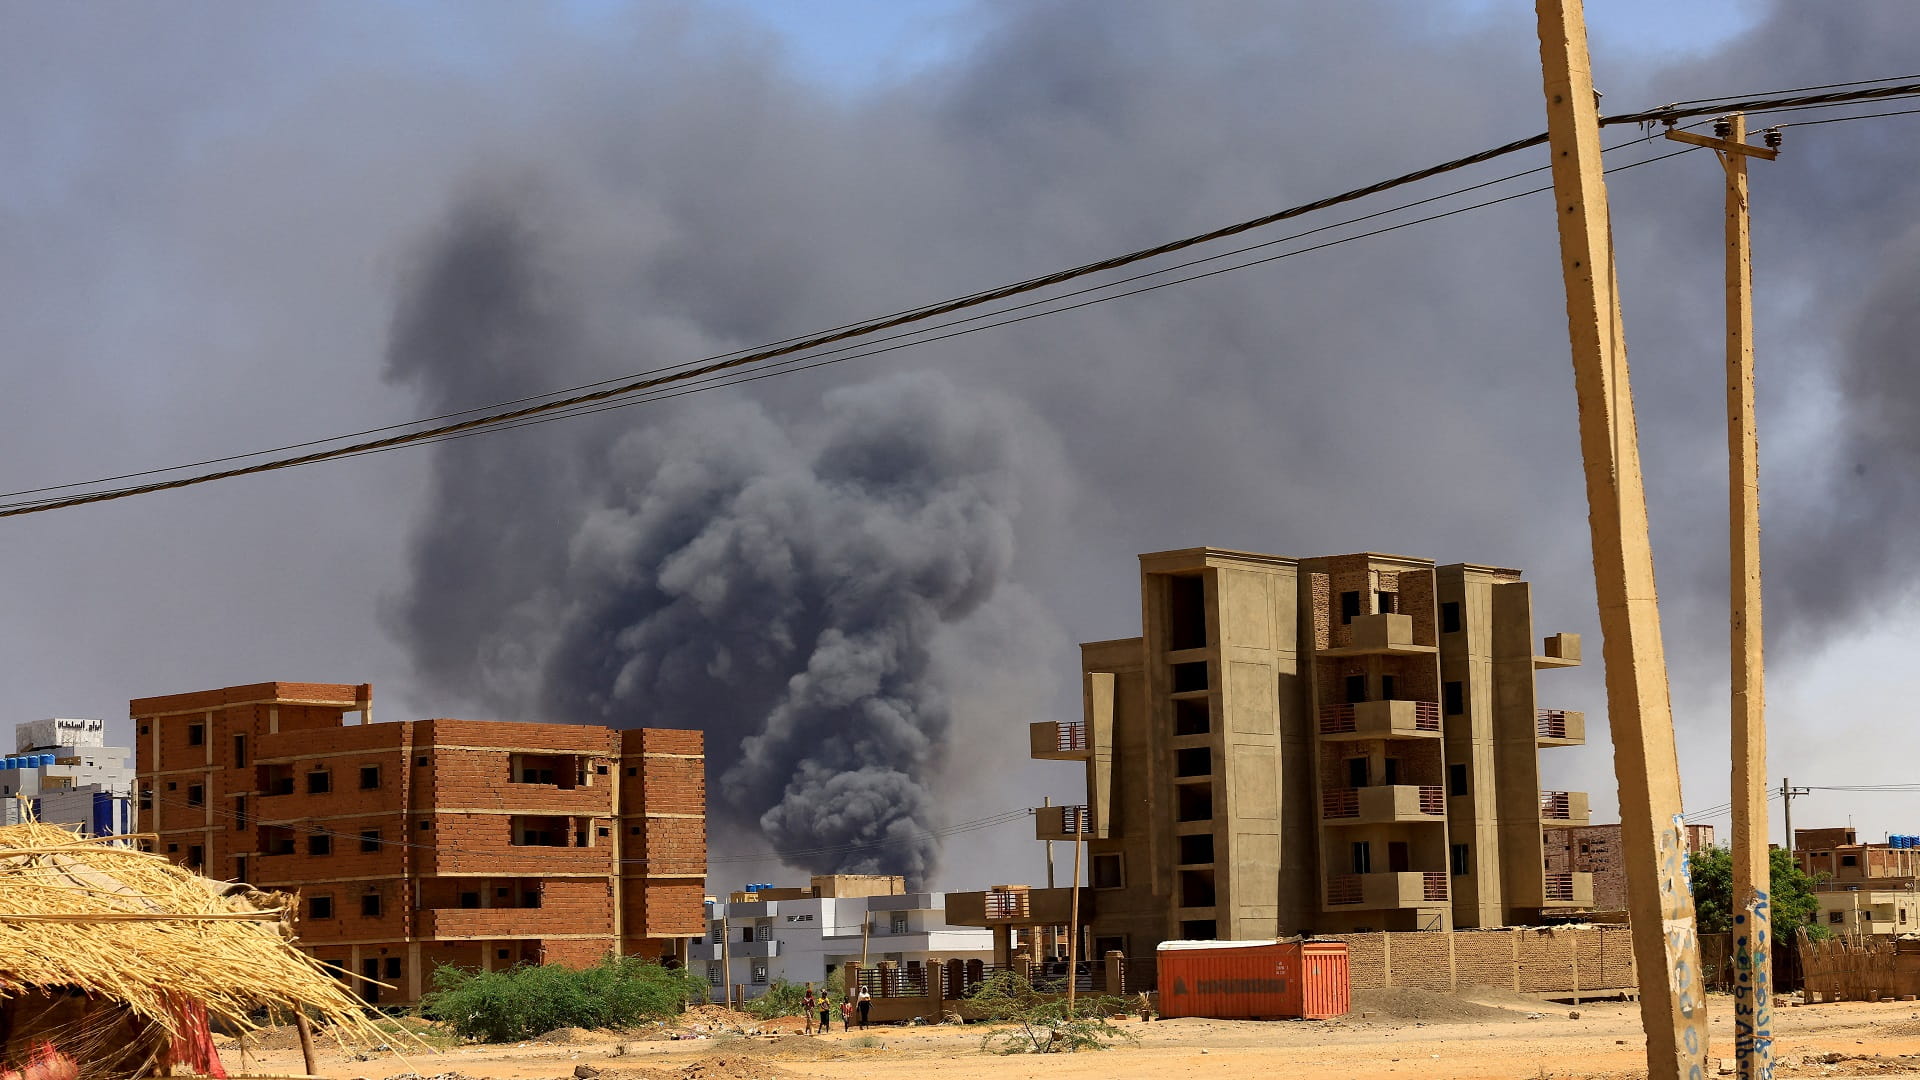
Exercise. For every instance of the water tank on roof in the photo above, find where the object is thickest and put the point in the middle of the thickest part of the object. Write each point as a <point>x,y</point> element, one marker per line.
<point>10,763</point>
<point>46,759</point>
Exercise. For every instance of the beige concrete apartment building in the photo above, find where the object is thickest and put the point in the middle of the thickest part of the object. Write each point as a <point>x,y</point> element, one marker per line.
<point>1321,745</point>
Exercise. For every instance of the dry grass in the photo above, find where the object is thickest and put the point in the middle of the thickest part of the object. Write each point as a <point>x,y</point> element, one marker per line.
<point>129,926</point>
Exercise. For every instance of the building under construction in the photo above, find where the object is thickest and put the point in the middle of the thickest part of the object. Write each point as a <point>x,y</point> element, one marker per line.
<point>1326,745</point>
<point>474,843</point>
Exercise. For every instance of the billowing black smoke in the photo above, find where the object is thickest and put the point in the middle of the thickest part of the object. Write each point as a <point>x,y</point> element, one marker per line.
<point>782,585</point>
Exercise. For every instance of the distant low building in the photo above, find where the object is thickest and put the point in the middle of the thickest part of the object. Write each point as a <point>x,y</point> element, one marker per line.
<point>802,935</point>
<point>64,774</point>
<point>1864,890</point>
<point>1837,857</point>
<point>1868,911</point>
<point>1597,850</point>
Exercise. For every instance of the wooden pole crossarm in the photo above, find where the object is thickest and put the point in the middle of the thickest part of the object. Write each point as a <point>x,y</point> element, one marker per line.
<point>1725,146</point>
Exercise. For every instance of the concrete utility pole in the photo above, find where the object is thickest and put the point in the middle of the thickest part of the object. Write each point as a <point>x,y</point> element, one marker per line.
<point>1073,907</point>
<point>1048,801</point>
<point>1659,897</point>
<point>1752,866</point>
<point>1788,793</point>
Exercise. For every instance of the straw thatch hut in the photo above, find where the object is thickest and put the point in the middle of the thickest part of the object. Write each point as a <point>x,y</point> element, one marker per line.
<point>119,959</point>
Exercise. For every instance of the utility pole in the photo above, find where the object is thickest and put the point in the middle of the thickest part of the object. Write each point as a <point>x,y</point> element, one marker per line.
<point>1666,945</point>
<point>1752,865</point>
<point>1044,802</point>
<point>726,965</point>
<point>1788,793</point>
<point>1078,815</point>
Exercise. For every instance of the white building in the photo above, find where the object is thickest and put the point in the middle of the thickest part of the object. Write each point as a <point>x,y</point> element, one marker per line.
<point>802,935</point>
<point>64,774</point>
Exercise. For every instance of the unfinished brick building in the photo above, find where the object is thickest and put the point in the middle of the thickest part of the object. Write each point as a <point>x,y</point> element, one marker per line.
<point>1599,850</point>
<point>416,844</point>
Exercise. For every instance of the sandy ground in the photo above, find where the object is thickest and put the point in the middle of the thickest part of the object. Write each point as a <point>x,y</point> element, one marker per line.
<point>1390,1033</point>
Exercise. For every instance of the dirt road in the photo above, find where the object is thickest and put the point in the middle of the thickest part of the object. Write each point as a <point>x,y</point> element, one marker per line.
<point>1390,1033</point>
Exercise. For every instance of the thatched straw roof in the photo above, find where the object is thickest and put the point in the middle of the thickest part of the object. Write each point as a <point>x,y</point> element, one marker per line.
<point>129,926</point>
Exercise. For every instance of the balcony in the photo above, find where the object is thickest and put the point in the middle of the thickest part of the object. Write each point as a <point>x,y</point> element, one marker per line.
<point>1375,892</point>
<point>1385,805</point>
<point>1563,807</point>
<point>1056,740</point>
<point>1380,720</point>
<point>1560,727</point>
<point>1569,890</point>
<point>1062,823</point>
<point>742,949</point>
<point>498,922</point>
<point>1015,905</point>
<point>1385,634</point>
<point>1559,651</point>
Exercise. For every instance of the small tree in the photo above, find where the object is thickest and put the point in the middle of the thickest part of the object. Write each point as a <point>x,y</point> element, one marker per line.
<point>1792,905</point>
<point>1040,1023</point>
<point>781,999</point>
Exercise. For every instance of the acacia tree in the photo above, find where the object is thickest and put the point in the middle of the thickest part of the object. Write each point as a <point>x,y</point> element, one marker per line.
<point>1792,903</point>
<point>1040,1023</point>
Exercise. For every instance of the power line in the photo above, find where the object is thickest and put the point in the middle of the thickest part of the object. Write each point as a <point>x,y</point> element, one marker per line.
<point>787,366</point>
<point>1802,89</point>
<point>798,364</point>
<point>1843,119</point>
<point>792,346</point>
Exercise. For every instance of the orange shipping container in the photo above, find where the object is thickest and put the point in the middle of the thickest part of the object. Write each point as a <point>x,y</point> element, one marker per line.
<point>1254,980</point>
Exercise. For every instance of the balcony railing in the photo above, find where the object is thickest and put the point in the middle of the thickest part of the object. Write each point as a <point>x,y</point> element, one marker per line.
<point>1007,904</point>
<point>1345,889</point>
<point>1560,887</point>
<point>1556,805</point>
<point>1386,803</point>
<point>1402,889</point>
<point>1340,803</point>
<point>1550,723</point>
<point>1074,819</point>
<point>1341,718</point>
<point>1336,719</point>
<point>1058,740</point>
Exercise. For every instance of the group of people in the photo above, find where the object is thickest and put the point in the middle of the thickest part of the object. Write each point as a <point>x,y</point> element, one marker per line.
<point>819,1008</point>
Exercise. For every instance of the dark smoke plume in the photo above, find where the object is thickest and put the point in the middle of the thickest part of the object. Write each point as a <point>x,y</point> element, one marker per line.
<point>783,586</point>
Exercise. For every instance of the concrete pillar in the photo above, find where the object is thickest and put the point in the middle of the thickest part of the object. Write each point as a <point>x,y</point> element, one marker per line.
<point>1116,963</point>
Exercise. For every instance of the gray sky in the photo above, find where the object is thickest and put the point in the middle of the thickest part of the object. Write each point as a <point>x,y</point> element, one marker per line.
<point>212,218</point>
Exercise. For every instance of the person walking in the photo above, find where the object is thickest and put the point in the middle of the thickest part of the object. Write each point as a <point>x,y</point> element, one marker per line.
<point>846,1015</point>
<point>808,1007</point>
<point>826,1012</point>
<point>866,1007</point>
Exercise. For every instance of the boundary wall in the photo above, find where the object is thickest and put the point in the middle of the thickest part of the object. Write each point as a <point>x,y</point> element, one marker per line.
<point>1555,960</point>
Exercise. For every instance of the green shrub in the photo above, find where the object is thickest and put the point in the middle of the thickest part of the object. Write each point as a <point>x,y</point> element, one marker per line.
<point>1041,1022</point>
<point>781,999</point>
<point>525,1001</point>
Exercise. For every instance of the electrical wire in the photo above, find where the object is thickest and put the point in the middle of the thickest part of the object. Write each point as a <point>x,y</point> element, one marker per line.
<point>718,356</point>
<point>1843,119</point>
<point>812,361</point>
<point>791,346</point>
<point>1802,89</point>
